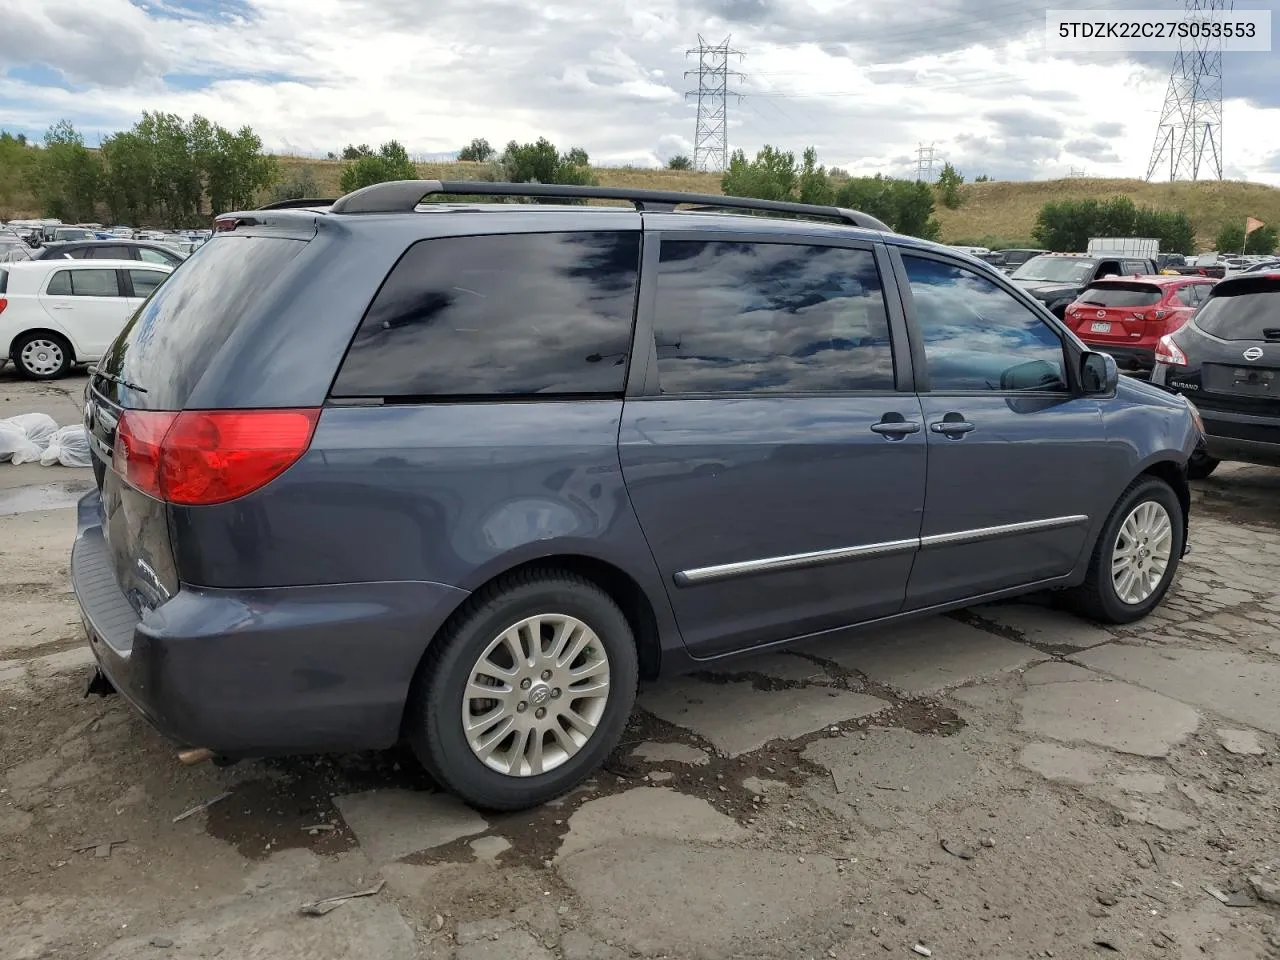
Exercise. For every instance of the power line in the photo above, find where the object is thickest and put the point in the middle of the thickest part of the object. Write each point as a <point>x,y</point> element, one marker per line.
<point>1189,134</point>
<point>711,136</point>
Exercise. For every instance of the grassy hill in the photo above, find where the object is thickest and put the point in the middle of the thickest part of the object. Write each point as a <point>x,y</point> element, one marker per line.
<point>1006,210</point>
<point>992,214</point>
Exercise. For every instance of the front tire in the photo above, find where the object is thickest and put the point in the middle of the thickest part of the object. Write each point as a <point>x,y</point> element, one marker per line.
<point>41,356</point>
<point>525,692</point>
<point>1136,556</point>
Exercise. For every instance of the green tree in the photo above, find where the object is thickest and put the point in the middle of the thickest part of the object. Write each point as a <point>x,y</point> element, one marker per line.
<point>905,205</point>
<point>813,185</point>
<point>391,162</point>
<point>982,178</point>
<point>67,175</point>
<point>680,162</point>
<point>128,182</point>
<point>772,175</point>
<point>350,152</point>
<point>477,151</point>
<point>1066,225</point>
<point>948,186</point>
<point>541,162</point>
<point>16,162</point>
<point>1171,227</point>
<point>1232,240</point>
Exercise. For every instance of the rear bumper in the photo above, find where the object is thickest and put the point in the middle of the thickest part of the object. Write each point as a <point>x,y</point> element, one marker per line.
<point>260,671</point>
<point>1242,437</point>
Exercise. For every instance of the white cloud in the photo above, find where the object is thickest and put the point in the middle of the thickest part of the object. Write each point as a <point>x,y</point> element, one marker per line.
<point>865,84</point>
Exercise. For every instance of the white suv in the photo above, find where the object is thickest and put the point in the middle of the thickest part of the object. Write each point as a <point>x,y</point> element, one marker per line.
<point>54,313</point>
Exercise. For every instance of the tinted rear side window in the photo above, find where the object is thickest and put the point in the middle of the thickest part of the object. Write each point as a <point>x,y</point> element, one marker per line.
<point>4,280</point>
<point>507,315</point>
<point>1251,311</point>
<point>769,318</point>
<point>172,337</point>
<point>1126,295</point>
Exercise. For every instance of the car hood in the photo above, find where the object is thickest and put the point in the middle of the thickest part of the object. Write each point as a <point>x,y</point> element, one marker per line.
<point>1046,290</point>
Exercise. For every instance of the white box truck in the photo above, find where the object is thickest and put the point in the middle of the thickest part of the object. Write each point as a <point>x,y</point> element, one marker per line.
<point>1147,248</point>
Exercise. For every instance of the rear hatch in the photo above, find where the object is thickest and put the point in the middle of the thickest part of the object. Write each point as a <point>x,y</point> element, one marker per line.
<point>145,379</point>
<point>1233,349</point>
<point>1119,313</point>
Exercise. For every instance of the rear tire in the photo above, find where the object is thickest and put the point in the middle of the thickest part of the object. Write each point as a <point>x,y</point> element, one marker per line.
<point>38,355</point>
<point>1201,465</point>
<point>1136,556</point>
<point>549,725</point>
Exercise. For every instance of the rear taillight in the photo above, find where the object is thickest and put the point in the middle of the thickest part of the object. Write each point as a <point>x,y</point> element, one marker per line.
<point>3,303</point>
<point>202,457</point>
<point>1167,351</point>
<point>1139,315</point>
<point>224,224</point>
<point>1161,314</point>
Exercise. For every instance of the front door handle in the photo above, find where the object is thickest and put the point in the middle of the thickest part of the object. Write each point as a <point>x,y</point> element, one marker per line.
<point>952,426</point>
<point>895,429</point>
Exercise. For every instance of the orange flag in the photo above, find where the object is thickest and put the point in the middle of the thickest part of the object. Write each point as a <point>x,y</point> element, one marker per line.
<point>1250,225</point>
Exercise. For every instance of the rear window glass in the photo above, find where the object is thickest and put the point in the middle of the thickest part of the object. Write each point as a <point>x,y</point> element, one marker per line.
<point>169,341</point>
<point>507,315</point>
<point>1248,310</point>
<point>1122,295</point>
<point>4,280</point>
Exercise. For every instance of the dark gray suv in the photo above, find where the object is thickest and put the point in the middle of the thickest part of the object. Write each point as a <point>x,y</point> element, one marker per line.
<point>462,473</point>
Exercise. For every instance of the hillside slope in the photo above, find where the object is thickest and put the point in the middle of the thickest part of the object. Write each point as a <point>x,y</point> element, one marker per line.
<point>1006,211</point>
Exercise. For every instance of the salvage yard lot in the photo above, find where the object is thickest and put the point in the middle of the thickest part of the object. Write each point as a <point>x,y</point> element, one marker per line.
<point>1007,782</point>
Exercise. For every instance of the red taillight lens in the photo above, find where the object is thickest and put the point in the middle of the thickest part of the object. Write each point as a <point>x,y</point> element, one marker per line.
<point>1139,315</point>
<point>3,303</point>
<point>137,453</point>
<point>1161,314</point>
<point>1169,352</point>
<point>224,224</point>
<point>203,457</point>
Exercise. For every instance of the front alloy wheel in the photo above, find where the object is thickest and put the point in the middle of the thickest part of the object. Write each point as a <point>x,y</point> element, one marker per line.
<point>1141,552</point>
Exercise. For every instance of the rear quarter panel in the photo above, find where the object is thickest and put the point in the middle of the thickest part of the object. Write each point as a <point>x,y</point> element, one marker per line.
<point>443,493</point>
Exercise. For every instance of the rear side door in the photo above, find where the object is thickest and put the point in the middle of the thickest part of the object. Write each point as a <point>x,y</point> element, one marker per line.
<point>89,304</point>
<point>1016,459</point>
<point>141,281</point>
<point>772,447</point>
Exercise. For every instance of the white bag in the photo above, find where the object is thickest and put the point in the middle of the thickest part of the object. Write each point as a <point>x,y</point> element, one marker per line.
<point>24,437</point>
<point>69,446</point>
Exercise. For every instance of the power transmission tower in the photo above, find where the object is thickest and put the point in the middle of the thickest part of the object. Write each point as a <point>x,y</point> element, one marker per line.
<point>1190,131</point>
<point>1076,172</point>
<point>711,137</point>
<point>925,157</point>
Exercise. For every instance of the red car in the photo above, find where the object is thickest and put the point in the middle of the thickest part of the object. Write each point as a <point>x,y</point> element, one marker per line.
<point>1126,317</point>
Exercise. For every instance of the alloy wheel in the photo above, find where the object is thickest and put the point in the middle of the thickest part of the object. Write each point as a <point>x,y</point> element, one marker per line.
<point>536,695</point>
<point>1143,548</point>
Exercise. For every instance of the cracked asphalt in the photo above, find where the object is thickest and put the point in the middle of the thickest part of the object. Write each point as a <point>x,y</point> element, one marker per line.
<point>1006,782</point>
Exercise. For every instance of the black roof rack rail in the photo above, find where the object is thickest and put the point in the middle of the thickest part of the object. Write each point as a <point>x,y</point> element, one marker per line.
<point>301,202</point>
<point>403,196</point>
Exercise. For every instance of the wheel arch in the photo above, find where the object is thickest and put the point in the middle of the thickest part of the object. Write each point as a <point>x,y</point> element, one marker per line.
<point>45,331</point>
<point>1175,475</point>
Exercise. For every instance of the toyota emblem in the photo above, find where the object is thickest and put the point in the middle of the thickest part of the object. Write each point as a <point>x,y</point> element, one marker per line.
<point>1253,353</point>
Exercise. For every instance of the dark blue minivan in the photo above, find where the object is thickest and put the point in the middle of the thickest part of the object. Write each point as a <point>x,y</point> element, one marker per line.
<point>400,466</point>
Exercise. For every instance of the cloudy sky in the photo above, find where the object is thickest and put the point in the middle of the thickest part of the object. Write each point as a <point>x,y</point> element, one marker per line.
<point>864,81</point>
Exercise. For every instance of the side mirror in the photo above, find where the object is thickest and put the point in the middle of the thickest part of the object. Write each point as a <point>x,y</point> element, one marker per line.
<point>1099,374</point>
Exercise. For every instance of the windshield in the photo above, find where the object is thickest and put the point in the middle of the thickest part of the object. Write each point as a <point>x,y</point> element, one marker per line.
<point>1056,270</point>
<point>1249,310</point>
<point>1122,295</point>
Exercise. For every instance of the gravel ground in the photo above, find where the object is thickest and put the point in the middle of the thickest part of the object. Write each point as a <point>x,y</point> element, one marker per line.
<point>1007,782</point>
